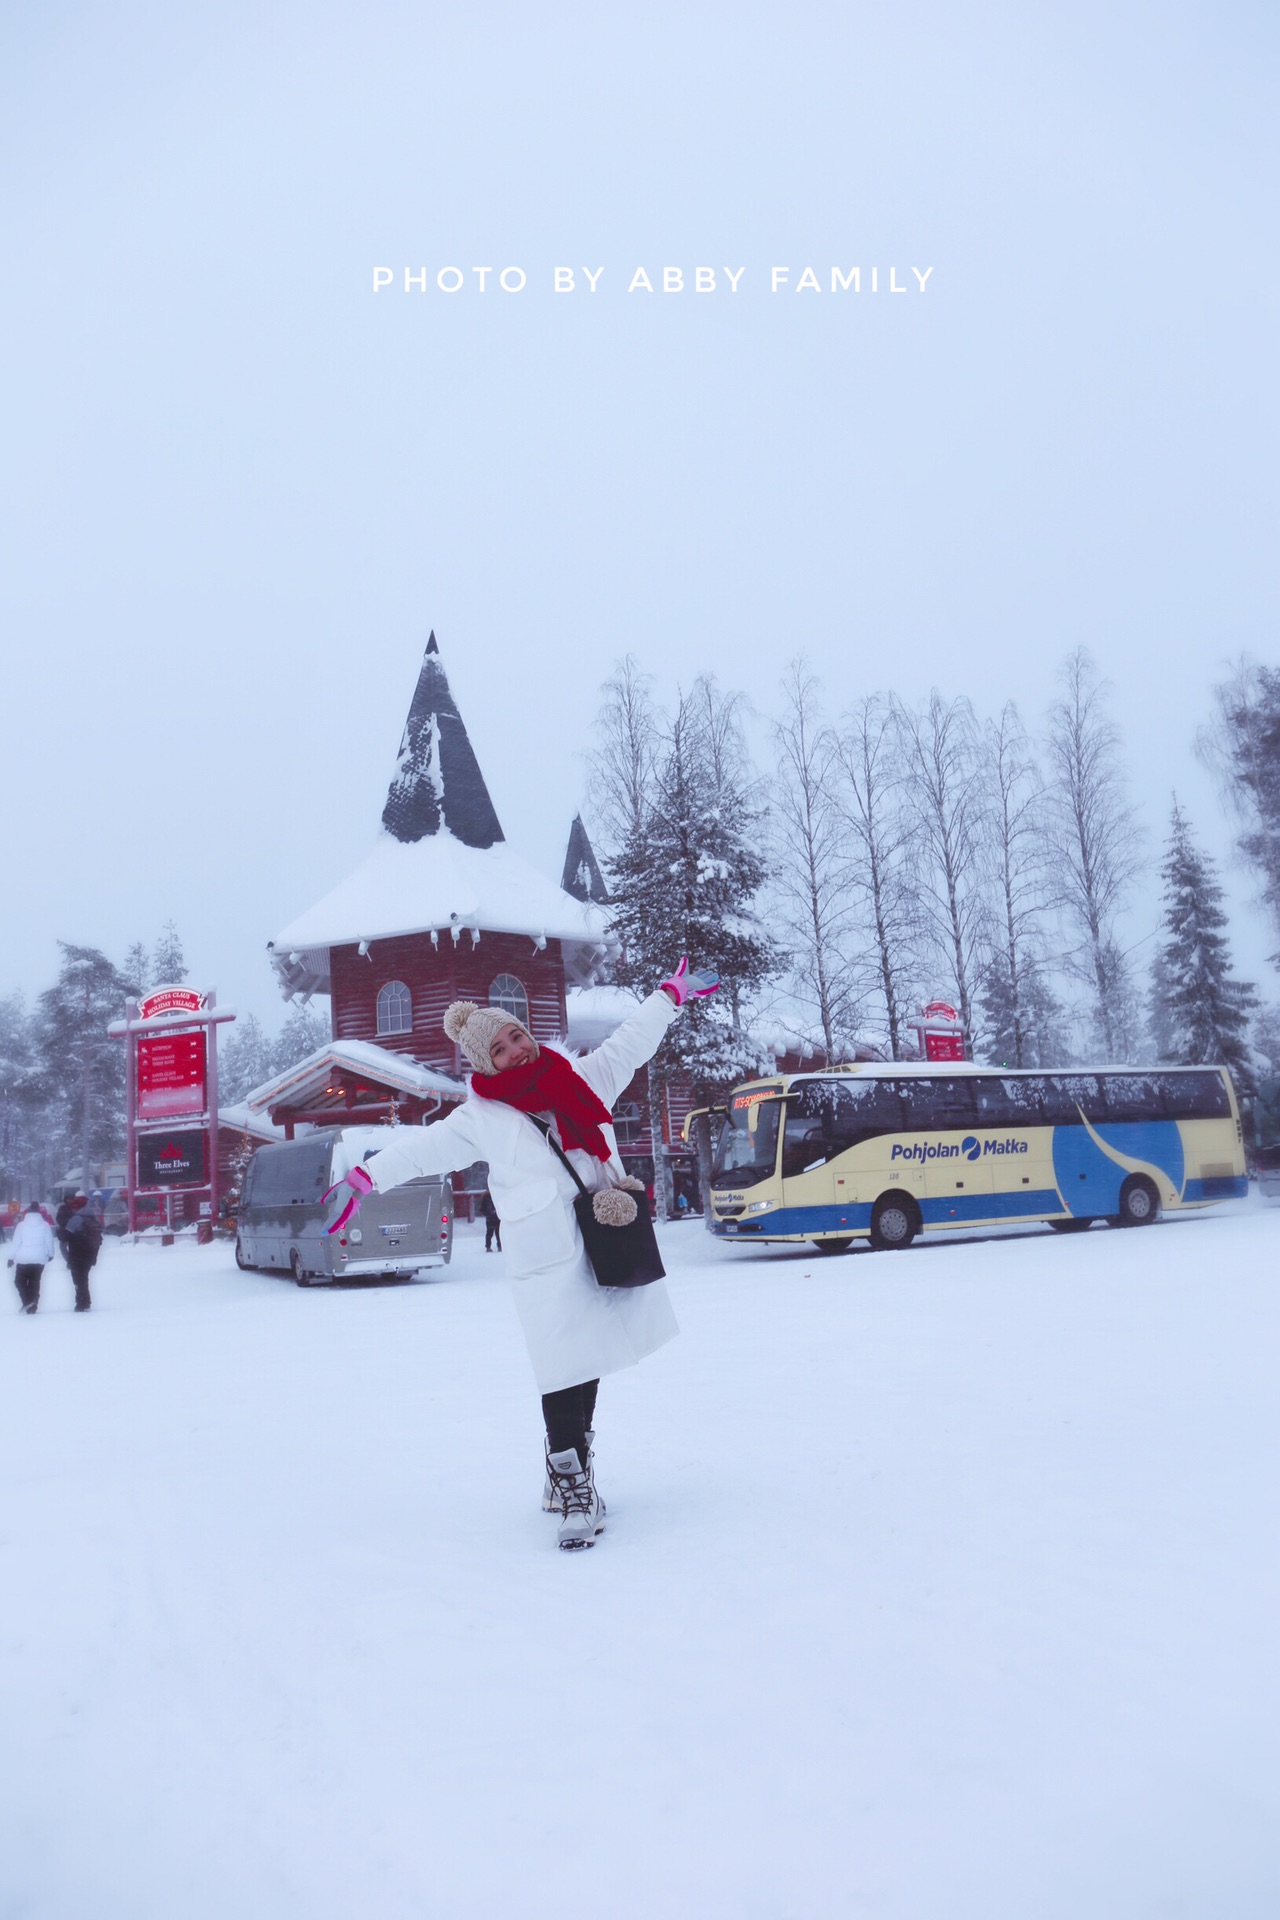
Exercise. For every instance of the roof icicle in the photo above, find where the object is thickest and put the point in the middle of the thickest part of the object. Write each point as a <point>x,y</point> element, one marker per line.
<point>437,781</point>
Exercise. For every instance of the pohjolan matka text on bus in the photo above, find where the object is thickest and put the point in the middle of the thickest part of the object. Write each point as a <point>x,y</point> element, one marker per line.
<point>884,1152</point>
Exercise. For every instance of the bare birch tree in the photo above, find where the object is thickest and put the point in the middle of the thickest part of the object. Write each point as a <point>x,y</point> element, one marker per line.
<point>812,866</point>
<point>621,767</point>
<point>949,809</point>
<point>1014,993</point>
<point>868,791</point>
<point>1095,844</point>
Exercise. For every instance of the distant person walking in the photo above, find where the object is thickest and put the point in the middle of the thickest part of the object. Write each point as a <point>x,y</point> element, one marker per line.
<point>492,1224</point>
<point>81,1244</point>
<point>31,1249</point>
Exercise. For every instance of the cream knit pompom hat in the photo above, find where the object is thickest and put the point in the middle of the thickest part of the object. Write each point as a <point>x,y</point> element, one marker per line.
<point>475,1029</point>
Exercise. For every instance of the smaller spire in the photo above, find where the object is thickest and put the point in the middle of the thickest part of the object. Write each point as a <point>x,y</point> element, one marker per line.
<point>582,876</point>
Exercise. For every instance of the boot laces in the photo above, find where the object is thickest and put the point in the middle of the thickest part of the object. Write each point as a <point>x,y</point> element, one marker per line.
<point>575,1491</point>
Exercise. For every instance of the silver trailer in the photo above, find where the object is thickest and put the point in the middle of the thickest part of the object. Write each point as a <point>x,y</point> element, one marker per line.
<point>282,1219</point>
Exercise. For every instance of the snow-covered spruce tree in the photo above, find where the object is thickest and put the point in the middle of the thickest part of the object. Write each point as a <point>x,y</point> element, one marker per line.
<point>1209,1011</point>
<point>869,790</point>
<point>136,971</point>
<point>244,1059</point>
<point>304,1032</point>
<point>812,866</point>
<point>26,1170</point>
<point>1095,846</point>
<point>685,880</point>
<point>949,820</point>
<point>168,962</point>
<point>1159,1016</point>
<point>1023,1026</point>
<point>81,1066</point>
<point>1242,745</point>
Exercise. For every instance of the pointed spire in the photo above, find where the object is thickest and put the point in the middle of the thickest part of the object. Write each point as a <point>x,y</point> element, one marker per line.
<point>437,780</point>
<point>582,876</point>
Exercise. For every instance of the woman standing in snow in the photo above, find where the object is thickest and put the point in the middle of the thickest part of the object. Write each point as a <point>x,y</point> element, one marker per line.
<point>31,1250</point>
<point>575,1329</point>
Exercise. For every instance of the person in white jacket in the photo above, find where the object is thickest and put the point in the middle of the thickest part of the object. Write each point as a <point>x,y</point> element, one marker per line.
<point>30,1251</point>
<point>575,1330</point>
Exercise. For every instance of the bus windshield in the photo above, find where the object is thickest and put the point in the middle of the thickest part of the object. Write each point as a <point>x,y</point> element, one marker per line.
<point>746,1154</point>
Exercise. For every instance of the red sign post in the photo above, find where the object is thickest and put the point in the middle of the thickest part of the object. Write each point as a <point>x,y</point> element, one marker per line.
<point>172,1074</point>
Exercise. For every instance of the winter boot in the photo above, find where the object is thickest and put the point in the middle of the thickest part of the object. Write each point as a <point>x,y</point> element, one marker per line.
<point>550,1504</point>
<point>581,1514</point>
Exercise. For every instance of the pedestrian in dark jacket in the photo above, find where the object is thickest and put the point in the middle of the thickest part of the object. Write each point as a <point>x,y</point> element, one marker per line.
<point>492,1224</point>
<point>82,1242</point>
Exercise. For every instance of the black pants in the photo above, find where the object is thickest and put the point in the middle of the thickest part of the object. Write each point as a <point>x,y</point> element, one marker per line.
<point>27,1281</point>
<point>492,1232</point>
<point>80,1270</point>
<point>568,1413</point>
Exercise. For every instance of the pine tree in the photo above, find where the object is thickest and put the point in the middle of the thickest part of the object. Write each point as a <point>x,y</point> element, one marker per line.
<point>244,1059</point>
<point>1159,1014</point>
<point>1208,1010</point>
<point>685,880</point>
<point>1242,745</point>
<point>23,1133</point>
<point>82,1066</point>
<point>168,963</point>
<point>1023,1025</point>
<point>304,1032</point>
<point>137,970</point>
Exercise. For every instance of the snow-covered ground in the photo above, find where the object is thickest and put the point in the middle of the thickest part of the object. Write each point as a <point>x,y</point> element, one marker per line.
<point>938,1585</point>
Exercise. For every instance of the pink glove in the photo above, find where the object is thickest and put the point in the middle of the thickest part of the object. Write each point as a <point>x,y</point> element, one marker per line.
<point>360,1184</point>
<point>684,985</point>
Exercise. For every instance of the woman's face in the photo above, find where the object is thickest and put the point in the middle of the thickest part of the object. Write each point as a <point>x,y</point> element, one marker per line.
<point>512,1048</point>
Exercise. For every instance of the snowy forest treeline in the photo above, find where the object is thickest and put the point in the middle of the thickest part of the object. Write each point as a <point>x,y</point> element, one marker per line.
<point>883,854</point>
<point>877,855</point>
<point>62,1075</point>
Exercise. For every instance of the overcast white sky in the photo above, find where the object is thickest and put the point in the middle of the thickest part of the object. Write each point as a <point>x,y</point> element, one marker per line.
<point>238,488</point>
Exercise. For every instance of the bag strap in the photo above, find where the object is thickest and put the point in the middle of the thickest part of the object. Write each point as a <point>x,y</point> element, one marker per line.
<point>560,1153</point>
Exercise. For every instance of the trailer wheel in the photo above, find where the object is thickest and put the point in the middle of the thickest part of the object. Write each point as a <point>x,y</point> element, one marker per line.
<point>300,1277</point>
<point>834,1246</point>
<point>1139,1203</point>
<point>895,1221</point>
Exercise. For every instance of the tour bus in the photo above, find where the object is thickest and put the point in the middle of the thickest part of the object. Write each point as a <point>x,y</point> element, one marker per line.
<point>883,1152</point>
<point>282,1217</point>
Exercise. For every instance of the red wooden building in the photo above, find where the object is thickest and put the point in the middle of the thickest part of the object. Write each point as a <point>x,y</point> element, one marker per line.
<point>441,909</point>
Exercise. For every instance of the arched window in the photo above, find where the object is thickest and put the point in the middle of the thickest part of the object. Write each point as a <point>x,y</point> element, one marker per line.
<point>507,993</point>
<point>395,1008</point>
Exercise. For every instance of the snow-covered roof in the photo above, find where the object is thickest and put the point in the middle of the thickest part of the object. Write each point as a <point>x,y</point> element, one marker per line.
<point>397,1071</point>
<point>239,1119</point>
<point>440,864</point>
<point>594,1012</point>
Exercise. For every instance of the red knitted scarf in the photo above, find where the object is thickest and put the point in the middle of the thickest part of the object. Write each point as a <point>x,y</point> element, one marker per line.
<point>550,1085</point>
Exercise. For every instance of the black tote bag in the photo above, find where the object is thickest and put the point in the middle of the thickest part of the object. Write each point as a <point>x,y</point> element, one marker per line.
<point>624,1256</point>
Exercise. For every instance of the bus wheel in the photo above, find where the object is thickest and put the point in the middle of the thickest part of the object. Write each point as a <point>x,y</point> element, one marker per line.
<point>300,1278</point>
<point>1139,1203</point>
<point>834,1246</point>
<point>894,1222</point>
<point>1071,1226</point>
<point>241,1262</point>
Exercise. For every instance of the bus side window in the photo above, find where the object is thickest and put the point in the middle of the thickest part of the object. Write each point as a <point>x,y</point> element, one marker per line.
<point>1194,1096</point>
<point>938,1106</point>
<point>804,1137</point>
<point>1133,1096</point>
<point>997,1107</point>
<point>1069,1094</point>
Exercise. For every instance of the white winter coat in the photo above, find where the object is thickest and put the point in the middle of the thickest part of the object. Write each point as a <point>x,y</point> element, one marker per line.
<point>575,1330</point>
<point>33,1244</point>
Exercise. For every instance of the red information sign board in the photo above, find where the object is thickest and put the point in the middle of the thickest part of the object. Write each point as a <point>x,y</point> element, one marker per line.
<point>943,1046</point>
<point>171,1075</point>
